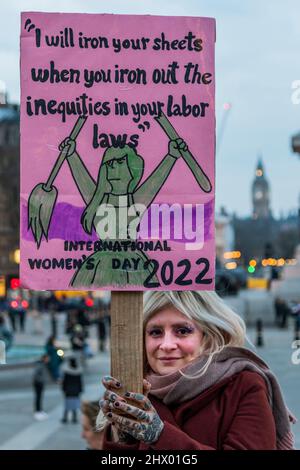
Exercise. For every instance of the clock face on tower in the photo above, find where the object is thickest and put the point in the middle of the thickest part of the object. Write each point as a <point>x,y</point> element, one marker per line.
<point>258,194</point>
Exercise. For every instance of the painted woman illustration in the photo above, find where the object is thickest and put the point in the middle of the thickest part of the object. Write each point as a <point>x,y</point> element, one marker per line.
<point>117,187</point>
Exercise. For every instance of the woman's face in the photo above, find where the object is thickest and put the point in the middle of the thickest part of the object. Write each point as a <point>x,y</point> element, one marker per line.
<point>172,341</point>
<point>94,439</point>
<point>118,174</point>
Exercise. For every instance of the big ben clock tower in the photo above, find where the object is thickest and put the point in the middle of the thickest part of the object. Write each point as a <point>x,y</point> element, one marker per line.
<point>260,194</point>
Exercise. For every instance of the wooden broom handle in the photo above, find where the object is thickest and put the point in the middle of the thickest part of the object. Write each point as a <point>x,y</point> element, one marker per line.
<point>201,178</point>
<point>62,155</point>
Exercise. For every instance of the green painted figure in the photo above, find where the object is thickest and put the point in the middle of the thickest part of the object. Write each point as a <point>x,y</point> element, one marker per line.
<point>118,187</point>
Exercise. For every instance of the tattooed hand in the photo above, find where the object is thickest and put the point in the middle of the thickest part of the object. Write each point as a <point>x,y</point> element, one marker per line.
<point>134,415</point>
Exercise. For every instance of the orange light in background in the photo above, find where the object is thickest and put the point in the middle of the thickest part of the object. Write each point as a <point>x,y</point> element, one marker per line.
<point>252,263</point>
<point>232,254</point>
<point>231,265</point>
<point>265,262</point>
<point>280,262</point>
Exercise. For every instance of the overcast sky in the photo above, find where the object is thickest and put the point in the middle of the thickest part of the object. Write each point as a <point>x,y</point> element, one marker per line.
<point>257,59</point>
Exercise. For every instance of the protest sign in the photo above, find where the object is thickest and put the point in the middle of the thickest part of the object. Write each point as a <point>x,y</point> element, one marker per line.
<point>117,152</point>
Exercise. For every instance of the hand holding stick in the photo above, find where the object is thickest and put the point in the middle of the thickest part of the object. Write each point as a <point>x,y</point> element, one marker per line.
<point>201,178</point>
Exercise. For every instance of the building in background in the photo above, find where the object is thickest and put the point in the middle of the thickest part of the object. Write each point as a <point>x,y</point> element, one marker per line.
<point>262,235</point>
<point>261,194</point>
<point>9,185</point>
<point>224,234</point>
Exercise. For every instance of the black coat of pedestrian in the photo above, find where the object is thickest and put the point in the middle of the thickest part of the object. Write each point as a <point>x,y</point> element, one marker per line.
<point>72,378</point>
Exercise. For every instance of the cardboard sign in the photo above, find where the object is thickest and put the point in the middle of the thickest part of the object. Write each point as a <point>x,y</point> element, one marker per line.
<point>117,152</point>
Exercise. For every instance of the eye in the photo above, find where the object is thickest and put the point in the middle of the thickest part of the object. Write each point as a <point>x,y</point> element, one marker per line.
<point>110,163</point>
<point>155,332</point>
<point>121,161</point>
<point>184,331</point>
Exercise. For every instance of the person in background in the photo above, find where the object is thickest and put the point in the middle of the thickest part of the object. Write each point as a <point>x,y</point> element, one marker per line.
<point>92,432</point>
<point>55,359</point>
<point>72,386</point>
<point>5,334</point>
<point>40,374</point>
<point>207,391</point>
<point>282,312</point>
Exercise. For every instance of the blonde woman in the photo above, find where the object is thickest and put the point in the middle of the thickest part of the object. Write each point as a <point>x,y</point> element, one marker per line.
<point>208,392</point>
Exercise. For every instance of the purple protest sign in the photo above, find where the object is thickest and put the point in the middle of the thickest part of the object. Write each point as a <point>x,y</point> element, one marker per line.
<point>117,152</point>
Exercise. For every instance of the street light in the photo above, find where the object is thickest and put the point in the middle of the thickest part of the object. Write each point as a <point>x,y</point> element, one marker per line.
<point>16,256</point>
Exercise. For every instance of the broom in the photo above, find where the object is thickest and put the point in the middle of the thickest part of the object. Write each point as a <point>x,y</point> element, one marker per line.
<point>42,198</point>
<point>201,178</point>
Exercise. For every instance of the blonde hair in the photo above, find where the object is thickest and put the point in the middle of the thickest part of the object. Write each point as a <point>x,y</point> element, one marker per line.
<point>101,421</point>
<point>91,410</point>
<point>220,325</point>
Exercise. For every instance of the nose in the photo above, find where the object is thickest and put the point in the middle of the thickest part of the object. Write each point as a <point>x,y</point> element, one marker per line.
<point>168,342</point>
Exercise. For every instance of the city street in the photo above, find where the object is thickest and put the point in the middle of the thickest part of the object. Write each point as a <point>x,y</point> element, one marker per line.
<point>19,430</point>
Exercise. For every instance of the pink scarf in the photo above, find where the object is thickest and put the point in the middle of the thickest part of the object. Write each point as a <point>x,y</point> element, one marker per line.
<point>175,388</point>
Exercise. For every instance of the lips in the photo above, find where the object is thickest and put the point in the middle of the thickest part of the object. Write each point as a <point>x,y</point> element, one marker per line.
<point>168,358</point>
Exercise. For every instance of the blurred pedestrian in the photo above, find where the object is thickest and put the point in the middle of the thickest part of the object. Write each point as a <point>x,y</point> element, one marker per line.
<point>103,323</point>
<point>295,310</point>
<point>282,312</point>
<point>83,318</point>
<point>17,314</point>
<point>55,359</point>
<point>93,423</point>
<point>5,334</point>
<point>40,375</point>
<point>72,386</point>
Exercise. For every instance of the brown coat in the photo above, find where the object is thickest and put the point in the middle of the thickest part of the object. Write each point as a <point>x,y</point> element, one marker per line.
<point>232,415</point>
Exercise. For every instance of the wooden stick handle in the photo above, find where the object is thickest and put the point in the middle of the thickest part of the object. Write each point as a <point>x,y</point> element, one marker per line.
<point>127,339</point>
<point>201,178</point>
<point>62,155</point>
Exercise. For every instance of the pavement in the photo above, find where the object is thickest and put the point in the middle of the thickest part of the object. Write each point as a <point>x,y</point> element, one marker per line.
<point>19,430</point>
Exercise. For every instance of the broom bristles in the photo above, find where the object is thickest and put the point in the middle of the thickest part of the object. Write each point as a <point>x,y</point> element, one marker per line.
<point>40,209</point>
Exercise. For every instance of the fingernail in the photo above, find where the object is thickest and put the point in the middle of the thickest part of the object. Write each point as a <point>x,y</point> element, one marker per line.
<point>118,384</point>
<point>117,404</point>
<point>127,394</point>
<point>109,415</point>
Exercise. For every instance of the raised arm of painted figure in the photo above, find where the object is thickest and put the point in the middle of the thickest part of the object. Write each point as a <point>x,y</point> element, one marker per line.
<point>84,181</point>
<point>151,187</point>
